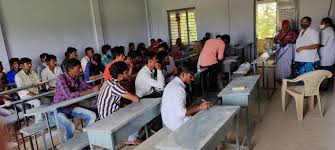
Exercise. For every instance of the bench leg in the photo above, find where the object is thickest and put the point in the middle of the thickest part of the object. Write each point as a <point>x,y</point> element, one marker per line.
<point>146,131</point>
<point>237,132</point>
<point>45,146</point>
<point>35,137</point>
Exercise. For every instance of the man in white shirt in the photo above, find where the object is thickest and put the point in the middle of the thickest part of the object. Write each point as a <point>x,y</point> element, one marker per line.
<point>51,72</point>
<point>28,77</point>
<point>170,66</point>
<point>145,83</point>
<point>307,44</point>
<point>173,109</point>
<point>89,52</point>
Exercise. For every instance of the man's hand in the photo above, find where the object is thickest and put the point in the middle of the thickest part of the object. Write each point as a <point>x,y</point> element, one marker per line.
<point>7,103</point>
<point>95,88</point>
<point>205,105</point>
<point>158,66</point>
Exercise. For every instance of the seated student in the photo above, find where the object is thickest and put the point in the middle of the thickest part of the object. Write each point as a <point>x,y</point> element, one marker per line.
<point>111,93</point>
<point>145,84</point>
<point>88,56</point>
<point>43,64</point>
<point>71,53</point>
<point>173,110</point>
<point>135,58</point>
<point>118,55</point>
<point>141,48</point>
<point>107,55</point>
<point>51,72</point>
<point>177,49</point>
<point>15,68</point>
<point>171,69</point>
<point>28,77</point>
<point>131,47</point>
<point>153,45</point>
<point>94,69</point>
<point>163,59</point>
<point>228,49</point>
<point>71,85</point>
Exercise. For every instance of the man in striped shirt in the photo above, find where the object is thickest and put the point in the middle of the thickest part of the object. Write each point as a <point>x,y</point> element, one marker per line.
<point>111,92</point>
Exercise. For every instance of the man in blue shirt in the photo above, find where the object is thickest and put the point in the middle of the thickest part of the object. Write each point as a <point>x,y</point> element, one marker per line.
<point>15,66</point>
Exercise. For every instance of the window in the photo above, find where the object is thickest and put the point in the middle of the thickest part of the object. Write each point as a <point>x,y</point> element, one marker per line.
<point>266,20</point>
<point>182,25</point>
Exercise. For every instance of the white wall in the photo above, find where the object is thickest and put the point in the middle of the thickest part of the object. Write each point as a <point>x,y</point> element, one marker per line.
<point>316,9</point>
<point>123,21</point>
<point>212,16</point>
<point>35,26</point>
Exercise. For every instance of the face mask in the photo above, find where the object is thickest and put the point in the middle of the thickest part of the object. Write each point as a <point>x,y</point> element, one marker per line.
<point>304,26</point>
<point>322,27</point>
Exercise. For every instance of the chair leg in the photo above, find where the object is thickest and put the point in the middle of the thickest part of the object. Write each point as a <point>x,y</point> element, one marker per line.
<point>299,103</point>
<point>283,100</point>
<point>320,105</point>
<point>310,102</point>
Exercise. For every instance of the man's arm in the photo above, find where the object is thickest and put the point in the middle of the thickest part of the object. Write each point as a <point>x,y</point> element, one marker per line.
<point>309,47</point>
<point>194,109</point>
<point>221,51</point>
<point>131,97</point>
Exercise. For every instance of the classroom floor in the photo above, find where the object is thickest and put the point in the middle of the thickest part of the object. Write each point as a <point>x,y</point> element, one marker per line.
<point>282,131</point>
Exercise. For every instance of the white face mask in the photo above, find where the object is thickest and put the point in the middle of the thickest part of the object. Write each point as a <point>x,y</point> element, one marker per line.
<point>322,27</point>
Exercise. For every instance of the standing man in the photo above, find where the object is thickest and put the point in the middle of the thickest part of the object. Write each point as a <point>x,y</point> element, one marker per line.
<point>88,56</point>
<point>307,45</point>
<point>209,58</point>
<point>173,109</point>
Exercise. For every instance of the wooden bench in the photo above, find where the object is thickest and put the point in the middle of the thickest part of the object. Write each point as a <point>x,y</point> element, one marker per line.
<point>78,142</point>
<point>149,144</point>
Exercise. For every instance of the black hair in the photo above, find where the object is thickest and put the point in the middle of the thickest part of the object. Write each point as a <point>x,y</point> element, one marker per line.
<point>159,40</point>
<point>70,64</point>
<point>163,45</point>
<point>105,48</point>
<point>141,47</point>
<point>88,49</point>
<point>161,56</point>
<point>218,36</point>
<point>226,37</point>
<point>329,21</point>
<point>43,56</point>
<point>97,58</point>
<point>130,44</point>
<point>25,60</point>
<point>50,57</point>
<point>152,40</point>
<point>118,68</point>
<point>184,68</point>
<point>13,60</point>
<point>133,54</point>
<point>149,55</point>
<point>69,51</point>
<point>309,19</point>
<point>117,51</point>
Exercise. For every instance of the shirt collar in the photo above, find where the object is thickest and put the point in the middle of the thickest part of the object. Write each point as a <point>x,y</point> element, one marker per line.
<point>146,68</point>
<point>178,80</point>
<point>68,77</point>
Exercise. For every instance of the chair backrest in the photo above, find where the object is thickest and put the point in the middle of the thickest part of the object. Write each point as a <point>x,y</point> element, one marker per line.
<point>312,81</point>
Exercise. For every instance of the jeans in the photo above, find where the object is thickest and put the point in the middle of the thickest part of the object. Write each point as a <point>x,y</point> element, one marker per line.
<point>35,103</point>
<point>88,116</point>
<point>304,67</point>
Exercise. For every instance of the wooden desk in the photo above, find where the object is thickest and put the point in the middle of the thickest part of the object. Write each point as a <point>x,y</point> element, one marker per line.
<point>113,129</point>
<point>203,131</point>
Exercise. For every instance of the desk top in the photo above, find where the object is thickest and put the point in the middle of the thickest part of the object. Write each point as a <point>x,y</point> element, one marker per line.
<point>264,57</point>
<point>248,81</point>
<point>53,107</point>
<point>121,117</point>
<point>199,130</point>
<point>187,57</point>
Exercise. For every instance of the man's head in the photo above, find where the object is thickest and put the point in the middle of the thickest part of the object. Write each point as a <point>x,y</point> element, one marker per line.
<point>119,71</point>
<point>131,46</point>
<point>185,73</point>
<point>1,67</point>
<point>159,40</point>
<point>105,49</point>
<point>163,58</point>
<point>135,56</point>
<point>152,41</point>
<point>15,63</point>
<point>151,58</point>
<point>326,22</point>
<point>52,61</point>
<point>163,47</point>
<point>71,53</point>
<point>141,47</point>
<point>118,54</point>
<point>73,67</point>
<point>178,41</point>
<point>226,39</point>
<point>89,52</point>
<point>43,57</point>
<point>96,59</point>
<point>305,22</point>
<point>25,64</point>
<point>208,35</point>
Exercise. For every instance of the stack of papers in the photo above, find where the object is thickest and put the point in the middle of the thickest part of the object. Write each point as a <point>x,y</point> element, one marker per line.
<point>243,69</point>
